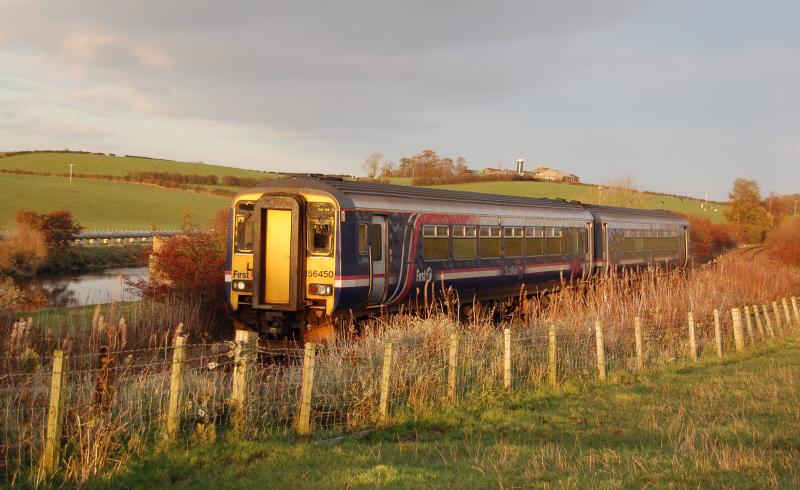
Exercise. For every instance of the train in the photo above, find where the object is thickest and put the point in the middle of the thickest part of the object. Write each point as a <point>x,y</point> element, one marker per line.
<point>307,254</point>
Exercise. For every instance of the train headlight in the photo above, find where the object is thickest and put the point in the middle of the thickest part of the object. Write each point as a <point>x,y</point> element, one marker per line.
<point>241,285</point>
<point>320,289</point>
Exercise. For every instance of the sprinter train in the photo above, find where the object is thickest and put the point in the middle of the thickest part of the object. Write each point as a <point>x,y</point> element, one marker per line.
<point>305,253</point>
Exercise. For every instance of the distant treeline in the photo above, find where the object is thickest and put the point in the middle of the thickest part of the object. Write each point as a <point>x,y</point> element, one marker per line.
<point>5,154</point>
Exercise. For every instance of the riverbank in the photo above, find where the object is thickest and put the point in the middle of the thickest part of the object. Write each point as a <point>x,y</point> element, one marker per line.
<point>76,259</point>
<point>87,288</point>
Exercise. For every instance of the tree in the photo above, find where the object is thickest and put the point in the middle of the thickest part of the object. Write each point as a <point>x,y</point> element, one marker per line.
<point>622,192</point>
<point>371,164</point>
<point>387,169</point>
<point>746,212</point>
<point>777,207</point>
<point>57,227</point>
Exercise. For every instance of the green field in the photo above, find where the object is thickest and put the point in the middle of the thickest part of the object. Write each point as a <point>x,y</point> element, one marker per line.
<point>108,165</point>
<point>591,195</point>
<point>729,424</point>
<point>103,204</point>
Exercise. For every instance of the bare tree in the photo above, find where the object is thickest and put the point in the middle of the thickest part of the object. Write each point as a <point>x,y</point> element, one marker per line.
<point>371,164</point>
<point>621,192</point>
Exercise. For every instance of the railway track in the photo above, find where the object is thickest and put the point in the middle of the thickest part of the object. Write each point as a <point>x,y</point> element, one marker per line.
<point>748,253</point>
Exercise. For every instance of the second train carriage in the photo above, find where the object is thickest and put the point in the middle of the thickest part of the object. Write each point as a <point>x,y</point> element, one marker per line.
<point>306,252</point>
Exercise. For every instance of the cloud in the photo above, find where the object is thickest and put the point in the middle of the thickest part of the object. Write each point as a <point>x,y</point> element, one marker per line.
<point>115,98</point>
<point>624,86</point>
<point>311,67</point>
<point>86,47</point>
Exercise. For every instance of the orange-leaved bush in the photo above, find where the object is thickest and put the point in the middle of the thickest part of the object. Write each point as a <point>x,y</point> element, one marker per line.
<point>708,239</point>
<point>190,268</point>
<point>783,242</point>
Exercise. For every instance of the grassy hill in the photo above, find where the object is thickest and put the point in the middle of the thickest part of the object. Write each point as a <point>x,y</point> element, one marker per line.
<point>715,425</point>
<point>112,165</point>
<point>592,195</point>
<point>101,204</point>
<point>105,204</point>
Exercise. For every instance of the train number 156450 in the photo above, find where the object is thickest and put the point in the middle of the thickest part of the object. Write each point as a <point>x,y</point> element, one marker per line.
<point>328,274</point>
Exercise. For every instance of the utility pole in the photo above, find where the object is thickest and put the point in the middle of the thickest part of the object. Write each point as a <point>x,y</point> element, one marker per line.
<point>70,176</point>
<point>795,207</point>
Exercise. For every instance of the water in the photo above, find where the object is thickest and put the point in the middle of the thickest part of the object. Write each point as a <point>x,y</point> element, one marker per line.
<point>87,289</point>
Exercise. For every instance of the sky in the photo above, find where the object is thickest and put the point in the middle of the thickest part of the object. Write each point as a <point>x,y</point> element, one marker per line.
<point>680,96</point>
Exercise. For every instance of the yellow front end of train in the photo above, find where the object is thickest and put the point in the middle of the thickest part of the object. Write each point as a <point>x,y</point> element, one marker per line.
<point>282,263</point>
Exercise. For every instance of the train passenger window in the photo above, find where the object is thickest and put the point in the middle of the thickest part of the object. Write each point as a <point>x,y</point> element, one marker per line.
<point>628,241</point>
<point>435,242</point>
<point>534,241</point>
<point>576,245</point>
<point>513,241</point>
<point>490,242</point>
<point>245,227</point>
<point>376,241</point>
<point>552,241</point>
<point>363,234</point>
<point>320,228</point>
<point>638,241</point>
<point>662,241</point>
<point>465,244</point>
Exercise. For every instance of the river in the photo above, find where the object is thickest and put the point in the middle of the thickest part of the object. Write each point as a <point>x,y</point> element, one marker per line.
<point>87,289</point>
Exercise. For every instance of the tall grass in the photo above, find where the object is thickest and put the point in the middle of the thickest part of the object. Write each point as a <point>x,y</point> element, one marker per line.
<point>116,404</point>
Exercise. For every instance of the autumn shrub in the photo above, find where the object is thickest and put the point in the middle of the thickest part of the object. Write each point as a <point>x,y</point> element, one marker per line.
<point>190,268</point>
<point>23,251</point>
<point>708,239</point>
<point>783,242</point>
<point>27,249</point>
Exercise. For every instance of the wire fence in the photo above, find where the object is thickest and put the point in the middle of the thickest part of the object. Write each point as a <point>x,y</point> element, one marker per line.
<point>119,403</point>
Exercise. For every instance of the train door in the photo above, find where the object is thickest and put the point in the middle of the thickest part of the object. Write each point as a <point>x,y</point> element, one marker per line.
<point>606,248</point>
<point>377,256</point>
<point>589,247</point>
<point>277,254</point>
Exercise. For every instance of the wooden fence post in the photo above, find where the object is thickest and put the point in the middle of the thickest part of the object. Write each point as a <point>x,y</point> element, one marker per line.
<point>601,351</point>
<point>385,377</point>
<point>749,323</point>
<point>55,413</point>
<point>304,419</point>
<point>738,334</point>
<point>717,333</point>
<point>507,358</point>
<point>452,368</point>
<point>176,388</point>
<point>552,365</point>
<point>759,323</point>
<point>244,355</point>
<point>777,313</point>
<point>796,312</point>
<point>692,339</point>
<point>786,313</point>
<point>770,331</point>
<point>637,333</point>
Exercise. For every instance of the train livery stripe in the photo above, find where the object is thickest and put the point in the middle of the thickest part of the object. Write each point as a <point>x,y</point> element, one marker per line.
<point>452,274</point>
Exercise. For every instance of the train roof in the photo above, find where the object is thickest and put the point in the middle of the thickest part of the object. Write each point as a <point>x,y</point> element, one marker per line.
<point>352,194</point>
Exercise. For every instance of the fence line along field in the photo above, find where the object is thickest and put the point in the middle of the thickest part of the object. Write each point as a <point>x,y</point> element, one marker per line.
<point>128,384</point>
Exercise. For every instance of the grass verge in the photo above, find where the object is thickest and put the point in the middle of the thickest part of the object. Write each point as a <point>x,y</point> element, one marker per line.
<point>717,424</point>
